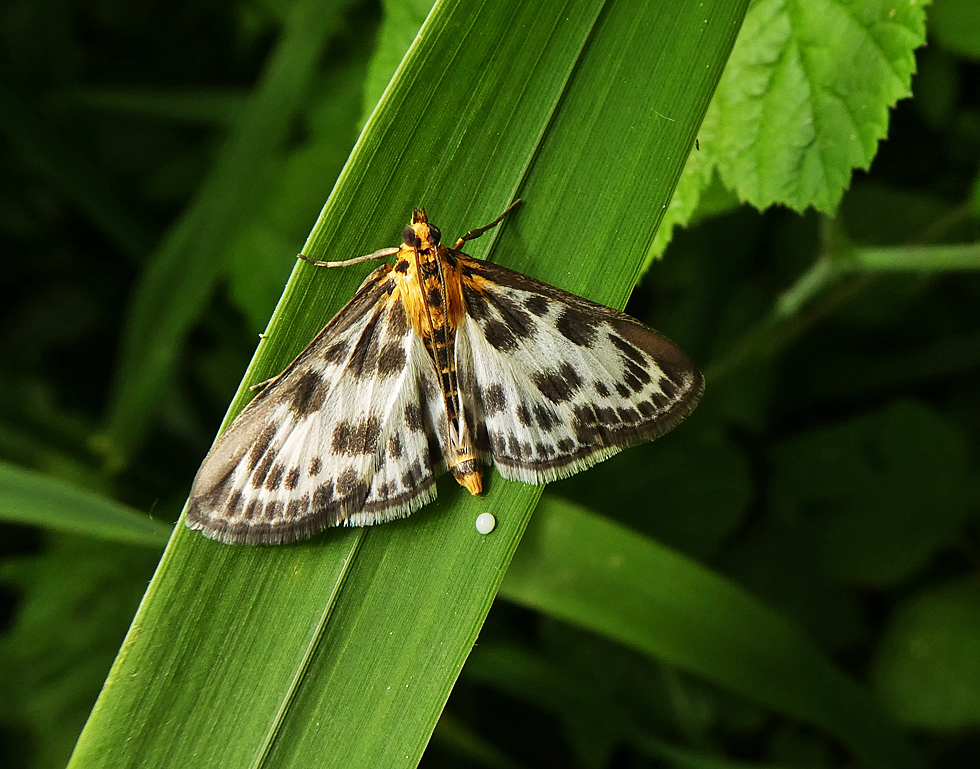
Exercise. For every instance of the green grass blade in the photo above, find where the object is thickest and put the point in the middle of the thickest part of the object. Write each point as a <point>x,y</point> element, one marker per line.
<point>341,651</point>
<point>584,569</point>
<point>182,272</point>
<point>38,500</point>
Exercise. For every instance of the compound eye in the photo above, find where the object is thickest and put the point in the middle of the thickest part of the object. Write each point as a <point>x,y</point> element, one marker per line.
<point>434,235</point>
<point>410,238</point>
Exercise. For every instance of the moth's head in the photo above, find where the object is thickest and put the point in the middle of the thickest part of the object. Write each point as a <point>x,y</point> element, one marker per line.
<point>420,234</point>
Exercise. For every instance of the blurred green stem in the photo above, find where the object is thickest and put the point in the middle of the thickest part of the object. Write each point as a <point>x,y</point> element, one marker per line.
<point>839,272</point>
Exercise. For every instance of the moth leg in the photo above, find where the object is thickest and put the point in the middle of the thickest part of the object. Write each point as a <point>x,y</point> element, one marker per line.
<point>473,234</point>
<point>262,385</point>
<point>382,253</point>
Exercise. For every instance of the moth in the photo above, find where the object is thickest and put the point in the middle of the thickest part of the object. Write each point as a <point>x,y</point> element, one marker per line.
<point>441,362</point>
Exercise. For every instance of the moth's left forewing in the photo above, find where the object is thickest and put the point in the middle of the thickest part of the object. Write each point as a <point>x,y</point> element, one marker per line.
<point>556,382</point>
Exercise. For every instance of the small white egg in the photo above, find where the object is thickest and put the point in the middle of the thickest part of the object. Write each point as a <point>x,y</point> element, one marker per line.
<point>485,523</point>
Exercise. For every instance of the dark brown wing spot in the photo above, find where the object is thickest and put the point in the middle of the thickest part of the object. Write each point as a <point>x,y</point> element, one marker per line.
<point>363,359</point>
<point>391,361</point>
<point>524,415</point>
<point>336,353</point>
<point>606,416</point>
<point>274,480</point>
<point>432,444</point>
<point>632,382</point>
<point>546,418</point>
<point>631,416</point>
<point>261,446</point>
<point>353,438</point>
<point>537,305</point>
<point>601,389</point>
<point>500,336</point>
<point>660,401</point>
<point>667,387</point>
<point>348,485</point>
<point>676,373</point>
<point>517,320</point>
<point>292,479</point>
<point>413,418</point>
<point>397,320</point>
<point>315,467</point>
<point>236,505</point>
<point>395,446</point>
<point>577,328</point>
<point>628,351</point>
<point>638,371</point>
<point>494,400</point>
<point>435,297</point>
<point>412,476</point>
<point>585,425</point>
<point>253,508</point>
<point>323,497</point>
<point>570,375</point>
<point>307,394</point>
<point>297,508</point>
<point>261,471</point>
<point>476,305</point>
<point>552,387</point>
<point>558,386</point>
<point>481,437</point>
<point>273,510</point>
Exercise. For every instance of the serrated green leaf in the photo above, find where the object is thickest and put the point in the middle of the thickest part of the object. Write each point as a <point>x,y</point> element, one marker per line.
<point>803,102</point>
<point>805,96</point>
<point>341,651</point>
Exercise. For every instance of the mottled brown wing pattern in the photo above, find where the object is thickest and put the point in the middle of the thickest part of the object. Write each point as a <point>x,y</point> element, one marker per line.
<point>439,362</point>
<point>349,433</point>
<point>555,383</point>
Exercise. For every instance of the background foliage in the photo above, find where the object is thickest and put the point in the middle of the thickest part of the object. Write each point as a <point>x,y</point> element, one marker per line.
<point>831,471</point>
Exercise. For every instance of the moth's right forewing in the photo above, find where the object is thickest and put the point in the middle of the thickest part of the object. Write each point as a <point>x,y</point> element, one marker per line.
<point>223,487</point>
